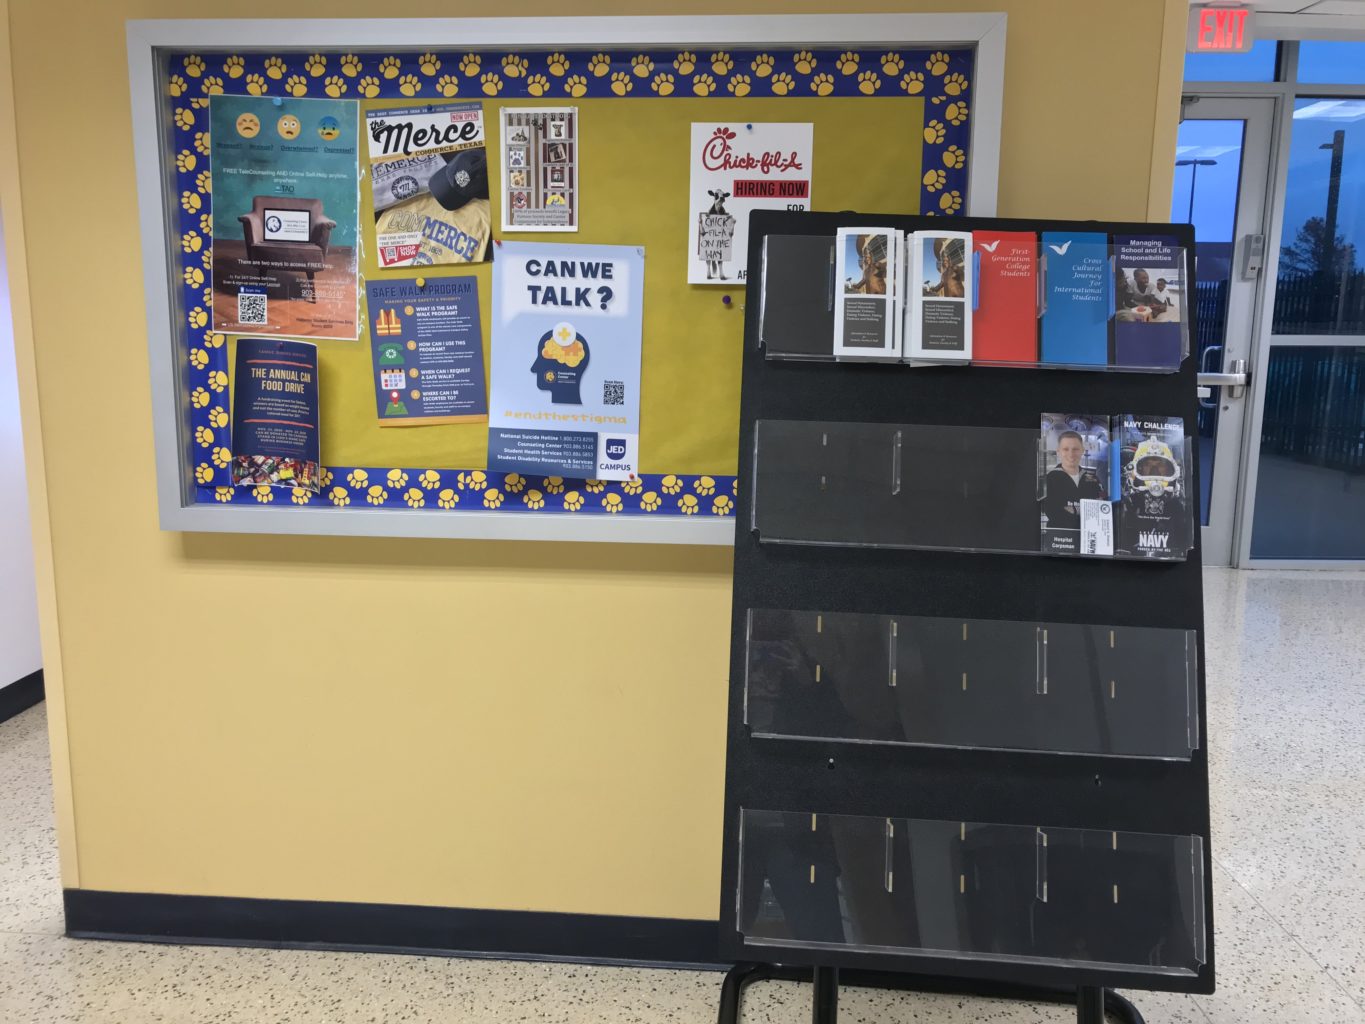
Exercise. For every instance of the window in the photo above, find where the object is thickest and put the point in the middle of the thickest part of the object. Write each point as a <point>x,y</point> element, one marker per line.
<point>1335,63</point>
<point>1256,65</point>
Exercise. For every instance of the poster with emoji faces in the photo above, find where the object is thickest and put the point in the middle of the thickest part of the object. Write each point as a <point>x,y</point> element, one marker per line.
<point>285,220</point>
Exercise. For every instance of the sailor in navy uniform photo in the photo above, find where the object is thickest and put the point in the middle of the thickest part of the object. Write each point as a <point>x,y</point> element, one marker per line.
<point>1068,482</point>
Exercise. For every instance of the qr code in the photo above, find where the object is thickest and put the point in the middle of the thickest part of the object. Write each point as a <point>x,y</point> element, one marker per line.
<point>251,308</point>
<point>613,392</point>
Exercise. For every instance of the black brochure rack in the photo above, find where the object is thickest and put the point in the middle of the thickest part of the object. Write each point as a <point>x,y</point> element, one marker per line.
<point>947,760</point>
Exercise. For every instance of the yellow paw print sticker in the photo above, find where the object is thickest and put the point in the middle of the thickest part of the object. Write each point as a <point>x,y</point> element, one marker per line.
<point>594,486</point>
<point>350,65</point>
<point>397,478</point>
<point>533,499</point>
<point>514,66</point>
<point>670,484</point>
<point>376,495</point>
<point>513,483</point>
<point>934,179</point>
<point>203,436</point>
<point>954,84</point>
<point>190,202</point>
<point>632,486</point>
<point>599,64</point>
<point>409,85</point>
<point>573,501</point>
<point>684,62</point>
<point>954,157</point>
<point>185,160</point>
<point>368,87</point>
<point>200,398</point>
<point>234,66</point>
<point>553,484</point>
<point>203,473</point>
<point>491,84</point>
<point>703,85</point>
<point>263,494</point>
<point>206,258</point>
<point>301,496</point>
<point>557,64</point>
<point>428,64</point>
<point>190,241</point>
<point>782,84</point>
<point>194,277</point>
<point>688,504</point>
<point>415,498</point>
<point>256,85</point>
<point>203,182</point>
<point>662,84</point>
<point>357,478</point>
<point>218,417</point>
<point>537,85</point>
<point>704,485</point>
<point>937,63</point>
<point>315,65</point>
<point>474,480</point>
<point>339,497</point>
<point>430,479</point>
<point>198,318</point>
<point>762,65</point>
<point>641,65</point>
<point>621,83</point>
<point>470,64</point>
<point>218,380</point>
<point>335,86</point>
<point>913,83</point>
<point>447,498</point>
<point>297,85</point>
<point>892,64</point>
<point>933,132</point>
<point>325,476</point>
<point>389,67</point>
<point>847,62</point>
<point>176,86</point>
<point>650,501</point>
<point>206,226</point>
<point>955,112</point>
<point>804,61</point>
<point>222,494</point>
<point>221,457</point>
<point>613,503</point>
<point>194,65</point>
<point>199,103</point>
<point>950,202</point>
<point>492,498</point>
<point>275,68</point>
<point>869,82</point>
<point>576,85</point>
<point>722,506</point>
<point>739,85</point>
<point>184,118</point>
<point>822,84</point>
<point>721,63</point>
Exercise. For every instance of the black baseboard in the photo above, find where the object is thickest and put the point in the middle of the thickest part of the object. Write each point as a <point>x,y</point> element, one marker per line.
<point>391,928</point>
<point>21,695</point>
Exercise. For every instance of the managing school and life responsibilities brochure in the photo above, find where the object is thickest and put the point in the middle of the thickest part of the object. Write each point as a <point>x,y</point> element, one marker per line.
<point>285,216</point>
<point>1077,510</point>
<point>1150,322</point>
<point>565,375</point>
<point>428,175</point>
<point>1154,516</point>
<point>275,414</point>
<point>939,303</point>
<point>866,275</point>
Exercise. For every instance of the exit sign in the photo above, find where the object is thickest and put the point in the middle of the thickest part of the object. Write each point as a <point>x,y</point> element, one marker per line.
<point>1220,28</point>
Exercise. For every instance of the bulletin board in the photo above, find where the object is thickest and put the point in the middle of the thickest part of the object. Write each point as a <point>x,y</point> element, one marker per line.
<point>892,130</point>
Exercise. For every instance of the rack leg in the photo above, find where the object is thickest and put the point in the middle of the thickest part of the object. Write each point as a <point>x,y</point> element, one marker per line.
<point>1089,1005</point>
<point>825,1004</point>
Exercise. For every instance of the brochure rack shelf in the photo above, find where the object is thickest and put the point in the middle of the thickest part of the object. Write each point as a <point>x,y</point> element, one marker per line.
<point>860,567</point>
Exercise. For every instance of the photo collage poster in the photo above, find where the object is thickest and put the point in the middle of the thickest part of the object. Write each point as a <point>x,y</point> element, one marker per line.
<point>540,183</point>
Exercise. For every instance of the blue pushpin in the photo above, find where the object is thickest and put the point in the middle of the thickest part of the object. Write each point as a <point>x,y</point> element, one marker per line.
<point>750,127</point>
<point>278,102</point>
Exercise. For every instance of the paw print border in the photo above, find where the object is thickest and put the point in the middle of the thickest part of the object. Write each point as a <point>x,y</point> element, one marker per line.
<point>940,78</point>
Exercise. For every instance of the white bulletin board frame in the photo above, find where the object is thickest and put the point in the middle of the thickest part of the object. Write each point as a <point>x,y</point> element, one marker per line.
<point>148,40</point>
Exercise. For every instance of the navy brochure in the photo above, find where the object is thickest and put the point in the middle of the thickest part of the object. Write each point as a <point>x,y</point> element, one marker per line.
<point>1077,298</point>
<point>1154,517</point>
<point>1149,302</point>
<point>427,351</point>
<point>275,414</point>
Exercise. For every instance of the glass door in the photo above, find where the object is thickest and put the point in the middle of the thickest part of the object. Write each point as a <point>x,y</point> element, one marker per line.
<point>1222,170</point>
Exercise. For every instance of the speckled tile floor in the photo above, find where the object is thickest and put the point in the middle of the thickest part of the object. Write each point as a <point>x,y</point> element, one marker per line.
<point>1287,717</point>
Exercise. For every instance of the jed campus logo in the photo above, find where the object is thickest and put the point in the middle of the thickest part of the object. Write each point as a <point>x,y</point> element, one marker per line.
<point>615,448</point>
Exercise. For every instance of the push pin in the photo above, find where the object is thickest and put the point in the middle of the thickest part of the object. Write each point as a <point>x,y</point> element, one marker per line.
<point>277,101</point>
<point>421,282</point>
<point>725,300</point>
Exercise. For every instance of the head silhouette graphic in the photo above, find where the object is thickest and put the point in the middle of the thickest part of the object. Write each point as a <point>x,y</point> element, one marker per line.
<point>561,361</point>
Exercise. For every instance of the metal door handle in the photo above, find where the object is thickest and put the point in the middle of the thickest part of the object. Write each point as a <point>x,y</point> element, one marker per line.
<point>1234,381</point>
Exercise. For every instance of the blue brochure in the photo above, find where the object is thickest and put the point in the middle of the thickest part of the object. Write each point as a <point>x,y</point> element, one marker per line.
<point>1078,298</point>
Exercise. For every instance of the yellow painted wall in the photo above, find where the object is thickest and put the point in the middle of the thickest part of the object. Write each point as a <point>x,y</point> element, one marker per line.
<point>424,754</point>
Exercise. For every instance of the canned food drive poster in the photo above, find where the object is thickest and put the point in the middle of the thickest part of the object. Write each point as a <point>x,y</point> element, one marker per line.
<point>565,387</point>
<point>738,167</point>
<point>285,216</point>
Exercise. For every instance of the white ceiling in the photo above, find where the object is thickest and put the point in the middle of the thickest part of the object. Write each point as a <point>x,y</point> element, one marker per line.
<point>1309,7</point>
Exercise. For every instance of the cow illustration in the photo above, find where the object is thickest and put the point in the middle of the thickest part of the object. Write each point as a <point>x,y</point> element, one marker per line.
<point>715,268</point>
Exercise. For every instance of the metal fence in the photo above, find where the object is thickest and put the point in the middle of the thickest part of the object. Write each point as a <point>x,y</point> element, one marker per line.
<point>1320,304</point>
<point>1315,405</point>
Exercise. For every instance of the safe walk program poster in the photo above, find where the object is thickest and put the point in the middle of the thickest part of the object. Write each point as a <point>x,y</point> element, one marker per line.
<point>565,389</point>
